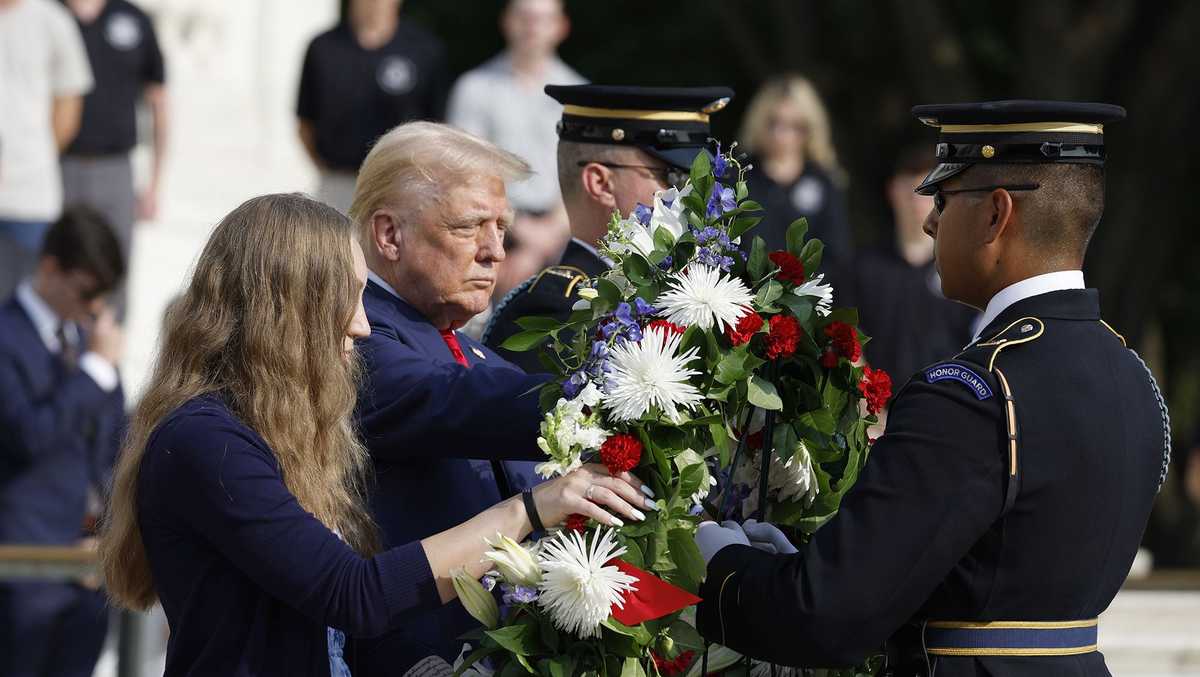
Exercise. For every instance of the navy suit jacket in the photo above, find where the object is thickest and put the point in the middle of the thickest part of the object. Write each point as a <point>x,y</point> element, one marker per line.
<point>432,427</point>
<point>61,433</point>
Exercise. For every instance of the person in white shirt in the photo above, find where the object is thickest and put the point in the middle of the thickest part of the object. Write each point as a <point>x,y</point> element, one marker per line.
<point>44,73</point>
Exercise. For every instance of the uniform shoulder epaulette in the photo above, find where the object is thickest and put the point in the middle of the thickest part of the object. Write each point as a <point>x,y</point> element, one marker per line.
<point>565,277</point>
<point>1022,331</point>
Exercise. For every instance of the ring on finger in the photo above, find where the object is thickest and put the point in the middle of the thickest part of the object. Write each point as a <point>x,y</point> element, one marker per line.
<point>588,493</point>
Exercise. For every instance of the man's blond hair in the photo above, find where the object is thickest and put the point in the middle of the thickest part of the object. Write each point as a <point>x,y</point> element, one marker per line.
<point>411,165</point>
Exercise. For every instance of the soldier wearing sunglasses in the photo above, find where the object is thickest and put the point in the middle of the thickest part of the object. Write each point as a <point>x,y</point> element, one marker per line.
<point>617,146</point>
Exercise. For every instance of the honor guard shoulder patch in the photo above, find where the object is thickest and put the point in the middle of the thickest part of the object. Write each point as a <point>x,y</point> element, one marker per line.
<point>948,371</point>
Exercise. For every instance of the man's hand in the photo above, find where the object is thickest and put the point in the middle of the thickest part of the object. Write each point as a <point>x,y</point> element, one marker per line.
<point>107,339</point>
<point>712,537</point>
<point>767,537</point>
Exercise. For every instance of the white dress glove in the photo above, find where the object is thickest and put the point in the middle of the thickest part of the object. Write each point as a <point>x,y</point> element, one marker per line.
<point>767,537</point>
<point>711,537</point>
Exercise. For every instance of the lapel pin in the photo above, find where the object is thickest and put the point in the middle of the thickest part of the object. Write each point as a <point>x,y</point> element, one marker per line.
<point>478,353</point>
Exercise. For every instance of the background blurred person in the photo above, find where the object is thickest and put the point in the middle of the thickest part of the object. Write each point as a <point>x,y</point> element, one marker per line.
<point>896,288</point>
<point>787,132</point>
<point>240,496</point>
<point>44,74</point>
<point>503,101</point>
<point>62,413</point>
<point>361,78</point>
<point>128,66</point>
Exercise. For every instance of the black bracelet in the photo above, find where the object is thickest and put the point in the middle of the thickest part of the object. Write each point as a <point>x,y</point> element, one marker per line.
<point>531,510</point>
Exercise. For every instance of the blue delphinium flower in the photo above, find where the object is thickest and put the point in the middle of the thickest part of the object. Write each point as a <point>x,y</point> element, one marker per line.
<point>665,264</point>
<point>720,166</point>
<point>642,213</point>
<point>721,200</point>
<point>573,385</point>
<point>643,308</point>
<point>518,594</point>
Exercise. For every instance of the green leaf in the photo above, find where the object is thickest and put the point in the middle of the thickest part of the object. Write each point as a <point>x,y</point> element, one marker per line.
<point>520,640</point>
<point>638,632</point>
<point>762,393</point>
<point>637,269</point>
<point>608,295</point>
<point>687,556</point>
<point>795,236</point>
<point>847,315</point>
<point>741,225</point>
<point>750,206</point>
<point>633,665</point>
<point>525,340</point>
<point>475,656</point>
<point>768,294</point>
<point>701,169</point>
<point>737,365</point>
<point>801,307</point>
<point>663,239</point>
<point>562,665</point>
<point>810,256</point>
<point>690,479</point>
<point>720,439</point>
<point>633,554</point>
<point>539,323</point>
<point>741,191</point>
<point>756,265</point>
<point>549,395</point>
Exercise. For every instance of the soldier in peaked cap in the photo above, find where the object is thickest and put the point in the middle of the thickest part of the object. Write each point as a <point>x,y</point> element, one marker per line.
<point>1000,512</point>
<point>617,146</point>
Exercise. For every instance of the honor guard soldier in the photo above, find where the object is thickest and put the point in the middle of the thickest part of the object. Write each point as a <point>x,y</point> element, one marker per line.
<point>1000,512</point>
<point>617,146</point>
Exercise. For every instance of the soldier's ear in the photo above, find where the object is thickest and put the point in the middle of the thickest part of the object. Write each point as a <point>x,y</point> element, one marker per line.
<point>999,205</point>
<point>386,234</point>
<point>597,182</point>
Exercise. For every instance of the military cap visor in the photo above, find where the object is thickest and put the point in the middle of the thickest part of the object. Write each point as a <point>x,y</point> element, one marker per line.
<point>671,123</point>
<point>1014,132</point>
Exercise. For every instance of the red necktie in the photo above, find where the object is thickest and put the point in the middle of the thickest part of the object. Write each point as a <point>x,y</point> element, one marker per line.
<point>455,349</point>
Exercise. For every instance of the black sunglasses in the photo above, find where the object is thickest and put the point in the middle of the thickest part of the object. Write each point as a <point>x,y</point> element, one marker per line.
<point>671,176</point>
<point>939,199</point>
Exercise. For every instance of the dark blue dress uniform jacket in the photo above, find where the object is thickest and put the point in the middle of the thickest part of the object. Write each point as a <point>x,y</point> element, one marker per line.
<point>248,578</point>
<point>59,435</point>
<point>926,535</point>
<point>431,426</point>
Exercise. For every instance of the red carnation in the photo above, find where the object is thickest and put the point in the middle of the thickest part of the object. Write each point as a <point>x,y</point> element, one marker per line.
<point>620,453</point>
<point>783,337</point>
<point>673,666</point>
<point>577,522</point>
<point>667,326</point>
<point>876,387</point>
<point>844,339</point>
<point>790,268</point>
<point>829,359</point>
<point>747,326</point>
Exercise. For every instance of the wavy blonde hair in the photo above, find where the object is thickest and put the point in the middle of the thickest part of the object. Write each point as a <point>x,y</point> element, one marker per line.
<point>262,322</point>
<point>799,92</point>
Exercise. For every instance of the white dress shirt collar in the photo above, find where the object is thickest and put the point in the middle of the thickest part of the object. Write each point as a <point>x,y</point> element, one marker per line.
<point>380,281</point>
<point>44,319</point>
<point>1033,286</point>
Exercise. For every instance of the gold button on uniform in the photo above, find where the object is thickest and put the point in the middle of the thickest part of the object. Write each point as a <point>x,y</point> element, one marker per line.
<point>989,151</point>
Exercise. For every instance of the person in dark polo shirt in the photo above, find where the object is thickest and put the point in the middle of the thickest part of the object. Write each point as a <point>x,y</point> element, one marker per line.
<point>361,78</point>
<point>128,66</point>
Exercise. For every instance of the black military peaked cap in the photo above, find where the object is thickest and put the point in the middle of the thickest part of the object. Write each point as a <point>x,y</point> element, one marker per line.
<point>671,123</point>
<point>1015,132</point>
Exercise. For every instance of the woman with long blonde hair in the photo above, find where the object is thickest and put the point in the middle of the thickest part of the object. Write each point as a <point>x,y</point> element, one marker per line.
<point>239,496</point>
<point>796,173</point>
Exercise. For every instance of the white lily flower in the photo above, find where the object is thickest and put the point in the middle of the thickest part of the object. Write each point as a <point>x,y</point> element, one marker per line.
<point>514,562</point>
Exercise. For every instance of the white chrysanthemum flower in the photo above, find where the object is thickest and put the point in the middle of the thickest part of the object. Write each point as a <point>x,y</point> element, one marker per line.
<point>647,374</point>
<point>701,296</point>
<point>816,289</point>
<point>578,590</point>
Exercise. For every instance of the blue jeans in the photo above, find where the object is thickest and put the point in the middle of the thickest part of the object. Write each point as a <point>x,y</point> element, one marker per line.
<point>336,640</point>
<point>28,234</point>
